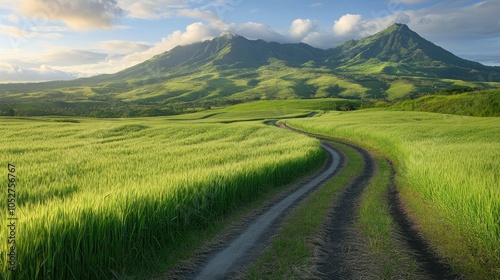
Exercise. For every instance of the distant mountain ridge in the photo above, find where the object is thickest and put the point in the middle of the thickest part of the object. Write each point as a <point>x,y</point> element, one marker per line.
<point>392,64</point>
<point>397,45</point>
<point>228,51</point>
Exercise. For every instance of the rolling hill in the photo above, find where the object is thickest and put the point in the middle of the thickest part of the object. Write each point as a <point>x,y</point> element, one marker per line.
<point>393,64</point>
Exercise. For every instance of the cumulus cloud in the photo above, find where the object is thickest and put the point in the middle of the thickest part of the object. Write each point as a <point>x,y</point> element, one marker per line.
<point>196,32</point>
<point>351,26</point>
<point>347,24</point>
<point>77,14</point>
<point>301,28</point>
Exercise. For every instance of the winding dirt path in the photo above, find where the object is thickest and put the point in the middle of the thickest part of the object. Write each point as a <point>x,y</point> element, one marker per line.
<point>337,250</point>
<point>241,250</point>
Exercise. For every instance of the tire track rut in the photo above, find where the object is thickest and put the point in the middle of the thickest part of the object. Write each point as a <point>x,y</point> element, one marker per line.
<point>430,264</point>
<point>343,257</point>
<point>336,247</point>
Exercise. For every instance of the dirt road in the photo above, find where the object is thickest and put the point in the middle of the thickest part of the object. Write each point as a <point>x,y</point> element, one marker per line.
<point>240,251</point>
<point>341,255</point>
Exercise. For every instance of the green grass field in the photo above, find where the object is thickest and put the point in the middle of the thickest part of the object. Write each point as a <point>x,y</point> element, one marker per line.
<point>108,195</point>
<point>478,104</point>
<point>447,173</point>
<point>96,197</point>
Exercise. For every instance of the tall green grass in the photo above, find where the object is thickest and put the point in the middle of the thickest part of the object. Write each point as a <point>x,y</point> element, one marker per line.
<point>478,104</point>
<point>447,172</point>
<point>97,197</point>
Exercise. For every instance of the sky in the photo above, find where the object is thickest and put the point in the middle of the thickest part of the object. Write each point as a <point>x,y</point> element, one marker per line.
<point>44,40</point>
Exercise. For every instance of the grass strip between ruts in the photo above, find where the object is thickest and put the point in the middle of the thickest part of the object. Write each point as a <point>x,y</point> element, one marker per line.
<point>290,255</point>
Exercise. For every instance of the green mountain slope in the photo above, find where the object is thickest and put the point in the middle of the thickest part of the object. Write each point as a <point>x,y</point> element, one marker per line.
<point>393,64</point>
<point>228,51</point>
<point>399,50</point>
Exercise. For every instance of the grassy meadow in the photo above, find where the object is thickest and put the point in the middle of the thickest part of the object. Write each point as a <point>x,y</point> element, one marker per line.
<point>97,197</point>
<point>447,172</point>
<point>271,109</point>
<point>477,104</point>
<point>104,196</point>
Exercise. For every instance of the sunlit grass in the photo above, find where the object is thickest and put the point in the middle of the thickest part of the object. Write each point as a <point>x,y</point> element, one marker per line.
<point>448,174</point>
<point>96,196</point>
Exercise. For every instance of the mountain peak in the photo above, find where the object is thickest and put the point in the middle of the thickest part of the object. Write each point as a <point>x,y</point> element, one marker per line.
<point>400,26</point>
<point>397,28</point>
<point>229,35</point>
<point>403,48</point>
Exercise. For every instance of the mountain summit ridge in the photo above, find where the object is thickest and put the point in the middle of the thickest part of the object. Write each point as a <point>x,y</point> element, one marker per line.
<point>401,49</point>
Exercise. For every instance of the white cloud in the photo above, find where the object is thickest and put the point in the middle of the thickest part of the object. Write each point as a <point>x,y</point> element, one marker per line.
<point>347,24</point>
<point>196,32</point>
<point>301,28</point>
<point>254,31</point>
<point>456,23</point>
<point>77,14</point>
<point>13,73</point>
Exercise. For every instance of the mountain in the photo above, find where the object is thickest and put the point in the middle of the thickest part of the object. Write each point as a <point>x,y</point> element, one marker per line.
<point>396,50</point>
<point>225,52</point>
<point>393,64</point>
<point>402,50</point>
